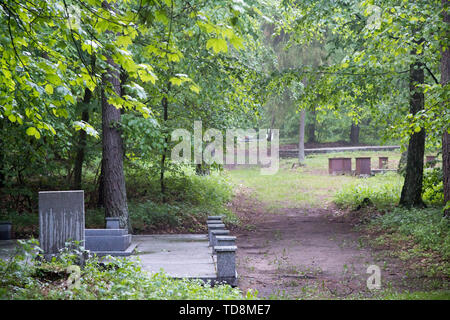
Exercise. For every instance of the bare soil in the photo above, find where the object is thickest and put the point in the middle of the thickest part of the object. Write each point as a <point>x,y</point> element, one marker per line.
<point>302,253</point>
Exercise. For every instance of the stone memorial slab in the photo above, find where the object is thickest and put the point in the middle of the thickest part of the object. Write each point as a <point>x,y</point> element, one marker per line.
<point>339,165</point>
<point>363,166</point>
<point>383,162</point>
<point>61,219</point>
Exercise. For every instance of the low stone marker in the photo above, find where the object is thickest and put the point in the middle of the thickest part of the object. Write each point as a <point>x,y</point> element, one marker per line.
<point>112,223</point>
<point>215,226</point>
<point>226,264</point>
<point>215,219</point>
<point>383,162</point>
<point>363,166</point>
<point>61,219</point>
<point>5,230</point>
<point>431,160</point>
<point>224,241</point>
<point>107,241</point>
<point>110,241</point>
<point>339,165</point>
<point>216,233</point>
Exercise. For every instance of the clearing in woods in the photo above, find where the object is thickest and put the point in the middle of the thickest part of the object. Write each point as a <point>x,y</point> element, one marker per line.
<point>293,242</point>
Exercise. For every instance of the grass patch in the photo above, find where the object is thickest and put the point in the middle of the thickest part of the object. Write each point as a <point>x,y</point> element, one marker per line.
<point>305,186</point>
<point>418,295</point>
<point>382,190</point>
<point>427,227</point>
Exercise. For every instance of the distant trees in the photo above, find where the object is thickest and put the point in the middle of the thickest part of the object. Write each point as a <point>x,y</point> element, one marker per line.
<point>62,58</point>
<point>374,44</point>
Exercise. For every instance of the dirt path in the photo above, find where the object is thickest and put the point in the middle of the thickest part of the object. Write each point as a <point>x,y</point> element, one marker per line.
<point>298,253</point>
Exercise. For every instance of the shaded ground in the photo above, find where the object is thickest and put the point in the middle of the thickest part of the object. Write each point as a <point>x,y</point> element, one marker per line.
<point>305,253</point>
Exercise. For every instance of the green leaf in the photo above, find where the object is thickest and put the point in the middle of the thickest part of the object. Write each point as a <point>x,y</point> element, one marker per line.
<point>32,131</point>
<point>49,89</point>
<point>218,45</point>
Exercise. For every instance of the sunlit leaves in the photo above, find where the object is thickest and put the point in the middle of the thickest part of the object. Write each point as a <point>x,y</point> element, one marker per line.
<point>32,131</point>
<point>82,125</point>
<point>217,45</point>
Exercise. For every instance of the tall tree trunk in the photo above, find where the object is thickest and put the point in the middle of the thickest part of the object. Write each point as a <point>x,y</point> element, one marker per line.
<point>78,170</point>
<point>312,127</point>
<point>301,135</point>
<point>269,132</point>
<point>354,134</point>
<point>114,191</point>
<point>412,188</point>
<point>2,156</point>
<point>163,157</point>
<point>445,77</point>
<point>101,189</point>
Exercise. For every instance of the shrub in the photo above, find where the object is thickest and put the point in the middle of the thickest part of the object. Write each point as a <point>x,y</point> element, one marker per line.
<point>433,186</point>
<point>382,190</point>
<point>428,227</point>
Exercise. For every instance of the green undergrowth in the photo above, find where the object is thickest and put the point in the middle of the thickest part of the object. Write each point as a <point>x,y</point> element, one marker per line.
<point>417,234</point>
<point>190,198</point>
<point>24,277</point>
<point>419,295</point>
<point>382,191</point>
<point>418,238</point>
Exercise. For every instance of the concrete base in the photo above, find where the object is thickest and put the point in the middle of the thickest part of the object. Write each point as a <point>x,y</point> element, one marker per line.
<point>128,252</point>
<point>115,242</point>
<point>181,256</point>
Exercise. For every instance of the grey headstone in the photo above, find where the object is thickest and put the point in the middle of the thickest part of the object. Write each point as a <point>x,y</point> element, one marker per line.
<point>61,219</point>
<point>226,263</point>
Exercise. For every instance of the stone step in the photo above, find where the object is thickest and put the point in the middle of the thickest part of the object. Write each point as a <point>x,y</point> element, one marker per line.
<point>107,243</point>
<point>105,232</point>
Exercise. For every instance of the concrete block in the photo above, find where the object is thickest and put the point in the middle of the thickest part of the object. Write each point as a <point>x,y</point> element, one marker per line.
<point>105,232</point>
<point>5,230</point>
<point>107,243</point>
<point>215,233</point>
<point>112,223</point>
<point>226,263</point>
<point>383,162</point>
<point>225,241</point>
<point>215,218</point>
<point>363,166</point>
<point>216,226</point>
<point>339,165</point>
<point>61,219</point>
